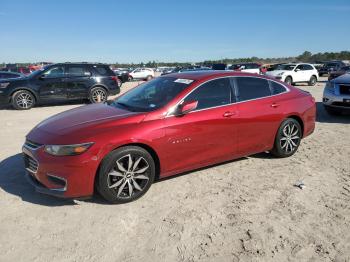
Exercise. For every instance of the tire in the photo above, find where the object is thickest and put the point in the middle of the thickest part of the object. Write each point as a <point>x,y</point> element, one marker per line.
<point>130,78</point>
<point>332,111</point>
<point>287,139</point>
<point>119,181</point>
<point>288,80</point>
<point>312,81</point>
<point>148,78</point>
<point>23,100</point>
<point>98,95</point>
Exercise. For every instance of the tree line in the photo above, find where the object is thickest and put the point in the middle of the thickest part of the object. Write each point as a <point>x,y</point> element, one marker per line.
<point>304,57</point>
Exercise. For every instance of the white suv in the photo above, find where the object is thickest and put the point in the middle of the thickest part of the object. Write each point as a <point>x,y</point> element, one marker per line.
<point>141,73</point>
<point>295,73</point>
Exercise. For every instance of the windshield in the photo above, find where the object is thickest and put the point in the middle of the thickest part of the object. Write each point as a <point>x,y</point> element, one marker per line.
<point>152,95</point>
<point>288,67</point>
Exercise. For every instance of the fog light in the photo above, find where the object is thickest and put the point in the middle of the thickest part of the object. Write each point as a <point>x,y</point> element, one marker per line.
<point>59,181</point>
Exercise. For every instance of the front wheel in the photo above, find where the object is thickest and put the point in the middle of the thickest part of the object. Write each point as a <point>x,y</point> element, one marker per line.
<point>23,100</point>
<point>287,139</point>
<point>126,174</point>
<point>288,80</point>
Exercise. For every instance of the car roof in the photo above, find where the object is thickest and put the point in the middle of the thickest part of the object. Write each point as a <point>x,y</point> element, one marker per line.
<point>206,74</point>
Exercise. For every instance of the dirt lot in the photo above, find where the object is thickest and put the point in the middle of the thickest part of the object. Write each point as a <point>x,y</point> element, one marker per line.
<point>244,210</point>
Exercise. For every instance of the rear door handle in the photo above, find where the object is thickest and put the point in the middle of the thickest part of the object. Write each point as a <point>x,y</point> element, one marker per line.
<point>274,105</point>
<point>229,114</point>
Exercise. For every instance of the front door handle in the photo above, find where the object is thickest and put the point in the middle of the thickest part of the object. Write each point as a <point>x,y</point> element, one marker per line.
<point>275,105</point>
<point>228,114</point>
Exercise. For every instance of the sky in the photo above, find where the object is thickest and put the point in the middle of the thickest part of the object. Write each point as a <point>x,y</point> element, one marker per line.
<point>177,30</point>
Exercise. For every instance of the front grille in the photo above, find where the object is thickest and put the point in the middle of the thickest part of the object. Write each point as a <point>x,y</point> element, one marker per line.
<point>30,163</point>
<point>344,89</point>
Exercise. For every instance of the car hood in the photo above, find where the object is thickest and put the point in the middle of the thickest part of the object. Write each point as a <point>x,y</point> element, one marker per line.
<point>82,122</point>
<point>14,80</point>
<point>343,79</point>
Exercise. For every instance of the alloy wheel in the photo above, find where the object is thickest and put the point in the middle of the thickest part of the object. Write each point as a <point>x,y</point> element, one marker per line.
<point>24,100</point>
<point>129,176</point>
<point>99,95</point>
<point>290,138</point>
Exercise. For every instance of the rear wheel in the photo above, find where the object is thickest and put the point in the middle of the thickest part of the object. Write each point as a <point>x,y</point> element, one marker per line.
<point>288,80</point>
<point>98,95</point>
<point>312,81</point>
<point>148,78</point>
<point>126,174</point>
<point>287,139</point>
<point>23,100</point>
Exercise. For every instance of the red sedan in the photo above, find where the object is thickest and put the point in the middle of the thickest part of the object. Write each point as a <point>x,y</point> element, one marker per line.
<point>169,125</point>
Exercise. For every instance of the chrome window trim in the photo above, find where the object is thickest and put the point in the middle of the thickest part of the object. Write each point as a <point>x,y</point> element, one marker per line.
<point>171,114</point>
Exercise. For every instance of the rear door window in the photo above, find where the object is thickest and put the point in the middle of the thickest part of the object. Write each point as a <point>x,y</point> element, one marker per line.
<point>76,71</point>
<point>252,88</point>
<point>307,67</point>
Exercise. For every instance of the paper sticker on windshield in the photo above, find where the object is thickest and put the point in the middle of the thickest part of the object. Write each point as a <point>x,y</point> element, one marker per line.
<point>183,81</point>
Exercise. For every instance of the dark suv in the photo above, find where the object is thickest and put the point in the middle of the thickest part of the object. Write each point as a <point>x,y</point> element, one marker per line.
<point>60,82</point>
<point>330,67</point>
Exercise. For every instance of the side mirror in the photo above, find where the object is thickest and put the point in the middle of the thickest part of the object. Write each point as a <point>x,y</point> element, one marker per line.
<point>42,77</point>
<point>297,70</point>
<point>186,107</point>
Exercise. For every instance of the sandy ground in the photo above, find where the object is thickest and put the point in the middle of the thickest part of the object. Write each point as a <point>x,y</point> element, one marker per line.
<point>243,210</point>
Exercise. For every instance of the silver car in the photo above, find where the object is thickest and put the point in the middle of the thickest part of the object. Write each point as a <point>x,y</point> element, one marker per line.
<point>336,95</point>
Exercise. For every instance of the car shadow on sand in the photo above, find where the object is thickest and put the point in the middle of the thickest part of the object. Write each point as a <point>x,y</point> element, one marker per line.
<point>13,181</point>
<point>323,117</point>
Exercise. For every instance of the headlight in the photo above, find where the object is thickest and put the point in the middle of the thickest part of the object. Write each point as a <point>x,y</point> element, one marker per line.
<point>4,85</point>
<point>280,74</point>
<point>67,150</point>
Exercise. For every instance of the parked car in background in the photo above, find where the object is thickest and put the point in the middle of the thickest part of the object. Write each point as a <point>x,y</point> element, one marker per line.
<point>343,70</point>
<point>166,126</point>
<point>21,70</point>
<point>329,67</point>
<point>273,67</point>
<point>219,66</point>
<point>295,73</point>
<point>60,82</point>
<point>122,74</point>
<point>186,69</point>
<point>336,95</point>
<point>253,68</point>
<point>141,73</point>
<point>9,75</point>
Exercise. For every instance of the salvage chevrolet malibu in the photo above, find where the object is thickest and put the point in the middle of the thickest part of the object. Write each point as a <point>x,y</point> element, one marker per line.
<point>169,125</point>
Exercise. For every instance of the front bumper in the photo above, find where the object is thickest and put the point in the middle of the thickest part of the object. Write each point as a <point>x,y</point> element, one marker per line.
<point>332,98</point>
<point>64,176</point>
